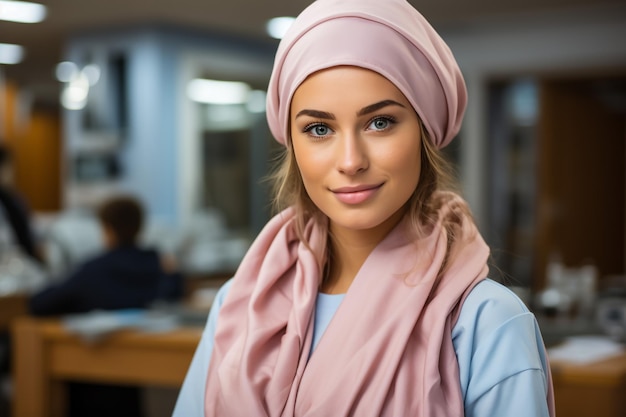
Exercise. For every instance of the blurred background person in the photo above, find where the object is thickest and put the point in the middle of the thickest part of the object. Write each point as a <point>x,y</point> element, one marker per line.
<point>15,216</point>
<point>124,276</point>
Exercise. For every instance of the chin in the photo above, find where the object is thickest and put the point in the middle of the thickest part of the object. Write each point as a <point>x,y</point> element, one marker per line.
<point>356,223</point>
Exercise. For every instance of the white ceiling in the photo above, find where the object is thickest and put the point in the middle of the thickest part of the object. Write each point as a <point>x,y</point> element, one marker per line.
<point>44,41</point>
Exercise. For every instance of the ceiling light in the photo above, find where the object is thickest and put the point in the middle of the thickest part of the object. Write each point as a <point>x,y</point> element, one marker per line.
<point>10,53</point>
<point>75,93</point>
<point>66,71</point>
<point>218,92</point>
<point>22,11</point>
<point>277,27</point>
<point>92,72</point>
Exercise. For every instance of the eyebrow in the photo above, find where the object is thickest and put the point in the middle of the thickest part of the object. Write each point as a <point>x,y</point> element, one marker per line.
<point>316,113</point>
<point>377,106</point>
<point>365,110</point>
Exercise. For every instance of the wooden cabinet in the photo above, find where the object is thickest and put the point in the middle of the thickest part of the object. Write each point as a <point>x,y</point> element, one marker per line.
<point>581,174</point>
<point>556,176</point>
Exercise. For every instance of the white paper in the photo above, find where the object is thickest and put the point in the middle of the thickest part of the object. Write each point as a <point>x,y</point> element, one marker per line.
<point>585,349</point>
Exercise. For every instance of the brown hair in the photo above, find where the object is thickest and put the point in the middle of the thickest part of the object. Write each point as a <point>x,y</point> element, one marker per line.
<point>123,215</point>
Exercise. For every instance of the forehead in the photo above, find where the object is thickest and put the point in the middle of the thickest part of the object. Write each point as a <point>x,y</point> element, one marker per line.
<point>345,86</point>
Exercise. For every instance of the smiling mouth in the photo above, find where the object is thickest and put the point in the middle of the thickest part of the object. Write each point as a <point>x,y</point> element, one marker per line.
<point>356,195</point>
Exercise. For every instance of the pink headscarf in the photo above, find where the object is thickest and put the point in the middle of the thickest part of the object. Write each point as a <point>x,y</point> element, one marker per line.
<point>389,37</point>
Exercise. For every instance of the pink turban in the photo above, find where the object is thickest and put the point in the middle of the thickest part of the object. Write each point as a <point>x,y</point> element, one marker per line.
<point>389,37</point>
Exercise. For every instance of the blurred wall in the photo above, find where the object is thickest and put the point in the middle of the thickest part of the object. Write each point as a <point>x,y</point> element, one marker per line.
<point>156,141</point>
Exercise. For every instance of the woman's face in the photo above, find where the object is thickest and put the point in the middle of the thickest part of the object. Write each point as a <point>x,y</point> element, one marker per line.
<point>356,140</point>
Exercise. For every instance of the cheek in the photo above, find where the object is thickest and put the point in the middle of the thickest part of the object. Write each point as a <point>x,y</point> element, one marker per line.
<point>312,161</point>
<point>405,161</point>
<point>306,165</point>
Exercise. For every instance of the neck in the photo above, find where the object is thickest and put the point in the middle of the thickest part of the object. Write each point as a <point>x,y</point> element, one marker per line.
<point>349,249</point>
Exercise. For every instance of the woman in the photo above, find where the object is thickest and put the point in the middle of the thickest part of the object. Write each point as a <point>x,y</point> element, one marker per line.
<point>368,295</point>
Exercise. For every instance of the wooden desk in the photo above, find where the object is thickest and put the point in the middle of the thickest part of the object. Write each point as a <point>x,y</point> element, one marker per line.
<point>597,389</point>
<point>46,354</point>
<point>12,306</point>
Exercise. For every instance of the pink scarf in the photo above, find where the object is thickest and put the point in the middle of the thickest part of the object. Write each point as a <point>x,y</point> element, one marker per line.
<point>387,351</point>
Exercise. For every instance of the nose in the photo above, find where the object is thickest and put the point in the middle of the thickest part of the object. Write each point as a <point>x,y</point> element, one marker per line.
<point>352,155</point>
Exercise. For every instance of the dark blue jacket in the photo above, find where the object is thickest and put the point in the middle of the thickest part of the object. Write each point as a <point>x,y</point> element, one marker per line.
<point>124,277</point>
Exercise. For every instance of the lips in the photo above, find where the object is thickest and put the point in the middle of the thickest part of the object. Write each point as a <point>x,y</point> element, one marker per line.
<point>356,194</point>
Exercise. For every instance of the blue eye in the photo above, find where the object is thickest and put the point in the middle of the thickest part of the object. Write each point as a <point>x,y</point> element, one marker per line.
<point>317,130</point>
<point>380,123</point>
